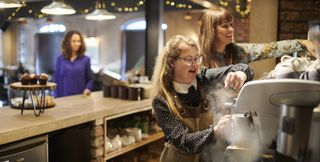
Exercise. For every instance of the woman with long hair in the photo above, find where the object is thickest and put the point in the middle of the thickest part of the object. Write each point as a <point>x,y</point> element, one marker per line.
<point>216,41</point>
<point>73,73</point>
<point>180,103</point>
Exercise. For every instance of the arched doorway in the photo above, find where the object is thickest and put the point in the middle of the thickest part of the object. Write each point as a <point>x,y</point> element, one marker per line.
<point>133,46</point>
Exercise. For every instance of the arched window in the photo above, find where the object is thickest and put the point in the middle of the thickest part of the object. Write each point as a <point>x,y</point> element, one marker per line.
<point>50,28</point>
<point>133,46</point>
<point>48,47</point>
<point>140,24</point>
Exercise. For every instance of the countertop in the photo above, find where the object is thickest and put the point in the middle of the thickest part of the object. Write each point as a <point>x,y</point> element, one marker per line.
<point>68,111</point>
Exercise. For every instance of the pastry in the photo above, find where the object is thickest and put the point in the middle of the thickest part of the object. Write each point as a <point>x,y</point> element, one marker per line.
<point>25,79</point>
<point>43,79</point>
<point>33,79</point>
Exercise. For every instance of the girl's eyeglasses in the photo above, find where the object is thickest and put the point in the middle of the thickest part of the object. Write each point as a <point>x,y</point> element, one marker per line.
<point>189,60</point>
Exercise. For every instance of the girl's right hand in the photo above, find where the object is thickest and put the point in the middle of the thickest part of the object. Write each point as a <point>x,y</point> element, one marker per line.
<point>235,80</point>
<point>223,129</point>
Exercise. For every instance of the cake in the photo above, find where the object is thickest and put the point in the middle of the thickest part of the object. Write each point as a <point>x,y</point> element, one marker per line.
<point>43,79</point>
<point>25,79</point>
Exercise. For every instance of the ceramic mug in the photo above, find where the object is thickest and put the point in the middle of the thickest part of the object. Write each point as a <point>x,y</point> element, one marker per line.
<point>114,91</point>
<point>135,132</point>
<point>123,92</point>
<point>135,93</point>
<point>289,67</point>
<point>106,91</point>
<point>312,72</point>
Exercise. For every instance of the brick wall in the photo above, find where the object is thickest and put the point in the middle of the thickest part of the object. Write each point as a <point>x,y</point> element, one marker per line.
<point>294,16</point>
<point>97,141</point>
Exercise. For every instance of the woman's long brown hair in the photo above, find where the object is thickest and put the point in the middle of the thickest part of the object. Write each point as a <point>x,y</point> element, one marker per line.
<point>66,44</point>
<point>209,22</point>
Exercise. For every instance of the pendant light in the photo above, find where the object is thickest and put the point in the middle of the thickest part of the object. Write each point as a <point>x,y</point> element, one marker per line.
<point>100,13</point>
<point>9,4</point>
<point>58,7</point>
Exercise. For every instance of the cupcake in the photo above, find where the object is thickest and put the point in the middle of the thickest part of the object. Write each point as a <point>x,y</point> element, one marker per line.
<point>25,79</point>
<point>33,79</point>
<point>43,79</point>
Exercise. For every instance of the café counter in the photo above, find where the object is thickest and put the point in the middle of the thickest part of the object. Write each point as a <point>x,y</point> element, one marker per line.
<point>68,111</point>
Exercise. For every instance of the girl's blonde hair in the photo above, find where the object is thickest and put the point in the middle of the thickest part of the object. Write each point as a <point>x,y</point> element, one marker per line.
<point>209,21</point>
<point>162,78</point>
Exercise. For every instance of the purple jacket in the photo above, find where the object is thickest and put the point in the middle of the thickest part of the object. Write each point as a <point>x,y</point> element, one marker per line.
<point>72,77</point>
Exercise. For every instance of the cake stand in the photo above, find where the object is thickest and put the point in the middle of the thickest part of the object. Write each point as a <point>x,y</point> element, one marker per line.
<point>38,99</point>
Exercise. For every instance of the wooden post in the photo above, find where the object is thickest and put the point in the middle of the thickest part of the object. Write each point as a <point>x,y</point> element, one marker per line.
<point>154,33</point>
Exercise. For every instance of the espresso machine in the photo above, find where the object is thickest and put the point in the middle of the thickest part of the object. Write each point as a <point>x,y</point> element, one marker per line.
<point>285,107</point>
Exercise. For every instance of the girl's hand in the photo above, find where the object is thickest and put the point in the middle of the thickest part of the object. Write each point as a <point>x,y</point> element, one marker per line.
<point>235,80</point>
<point>223,129</point>
<point>86,92</point>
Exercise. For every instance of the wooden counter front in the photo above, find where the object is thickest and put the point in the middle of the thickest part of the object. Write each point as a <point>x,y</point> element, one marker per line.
<point>69,111</point>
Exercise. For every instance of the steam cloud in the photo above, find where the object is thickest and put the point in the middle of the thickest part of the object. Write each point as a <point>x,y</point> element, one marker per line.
<point>244,144</point>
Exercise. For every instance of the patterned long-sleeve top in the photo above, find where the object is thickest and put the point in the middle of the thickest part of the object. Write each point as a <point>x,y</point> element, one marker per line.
<point>175,131</point>
<point>249,52</point>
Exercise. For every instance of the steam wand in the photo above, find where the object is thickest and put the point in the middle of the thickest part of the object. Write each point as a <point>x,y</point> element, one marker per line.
<point>249,115</point>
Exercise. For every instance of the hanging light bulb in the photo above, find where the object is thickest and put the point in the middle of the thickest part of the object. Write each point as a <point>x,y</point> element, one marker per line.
<point>9,4</point>
<point>100,13</point>
<point>58,7</point>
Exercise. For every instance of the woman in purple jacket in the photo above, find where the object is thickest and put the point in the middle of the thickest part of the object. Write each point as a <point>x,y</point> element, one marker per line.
<point>73,74</point>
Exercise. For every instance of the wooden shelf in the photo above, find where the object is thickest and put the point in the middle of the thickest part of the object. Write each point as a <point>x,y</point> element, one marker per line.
<point>126,149</point>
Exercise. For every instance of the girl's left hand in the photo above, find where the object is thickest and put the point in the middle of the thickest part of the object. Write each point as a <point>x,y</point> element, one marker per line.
<point>86,92</point>
<point>235,80</point>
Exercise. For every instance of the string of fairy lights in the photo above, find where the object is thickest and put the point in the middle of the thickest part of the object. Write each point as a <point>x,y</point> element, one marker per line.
<point>178,5</point>
<point>137,7</point>
<point>15,12</point>
<point>244,12</point>
<point>116,6</point>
